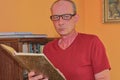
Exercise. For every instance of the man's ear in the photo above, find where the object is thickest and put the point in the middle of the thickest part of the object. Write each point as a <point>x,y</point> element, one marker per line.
<point>76,17</point>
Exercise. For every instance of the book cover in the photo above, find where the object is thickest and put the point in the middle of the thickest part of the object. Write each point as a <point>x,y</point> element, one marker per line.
<point>37,62</point>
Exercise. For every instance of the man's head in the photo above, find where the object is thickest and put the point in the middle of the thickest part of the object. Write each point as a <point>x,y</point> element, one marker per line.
<point>64,16</point>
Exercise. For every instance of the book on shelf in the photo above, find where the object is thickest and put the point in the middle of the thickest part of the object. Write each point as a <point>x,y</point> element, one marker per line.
<point>32,48</point>
<point>37,62</point>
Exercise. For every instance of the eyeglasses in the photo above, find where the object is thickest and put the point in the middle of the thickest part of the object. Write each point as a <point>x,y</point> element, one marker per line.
<point>64,17</point>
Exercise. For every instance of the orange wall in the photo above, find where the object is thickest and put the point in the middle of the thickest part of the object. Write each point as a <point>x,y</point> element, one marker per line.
<point>33,16</point>
<point>26,16</point>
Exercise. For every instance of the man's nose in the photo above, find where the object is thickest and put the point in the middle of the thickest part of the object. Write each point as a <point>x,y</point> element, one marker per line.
<point>61,20</point>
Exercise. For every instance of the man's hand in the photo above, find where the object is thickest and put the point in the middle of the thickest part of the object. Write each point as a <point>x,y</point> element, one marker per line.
<point>33,76</point>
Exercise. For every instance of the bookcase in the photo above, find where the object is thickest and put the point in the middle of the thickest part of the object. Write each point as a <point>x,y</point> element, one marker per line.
<point>10,69</point>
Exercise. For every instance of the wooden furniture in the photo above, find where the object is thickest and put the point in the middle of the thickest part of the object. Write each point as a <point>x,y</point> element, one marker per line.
<point>10,69</point>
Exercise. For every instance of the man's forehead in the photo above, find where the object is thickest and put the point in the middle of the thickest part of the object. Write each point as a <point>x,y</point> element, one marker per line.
<point>62,4</point>
<point>62,7</point>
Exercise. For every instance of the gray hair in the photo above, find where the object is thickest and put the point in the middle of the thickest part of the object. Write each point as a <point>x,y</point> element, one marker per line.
<point>73,5</point>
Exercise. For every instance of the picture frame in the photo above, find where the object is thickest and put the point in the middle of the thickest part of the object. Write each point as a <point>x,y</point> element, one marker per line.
<point>111,11</point>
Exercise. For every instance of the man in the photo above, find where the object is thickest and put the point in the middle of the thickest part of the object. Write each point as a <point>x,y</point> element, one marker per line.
<point>78,56</point>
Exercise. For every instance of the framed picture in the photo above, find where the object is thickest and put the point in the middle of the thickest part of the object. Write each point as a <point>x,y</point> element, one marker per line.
<point>111,11</point>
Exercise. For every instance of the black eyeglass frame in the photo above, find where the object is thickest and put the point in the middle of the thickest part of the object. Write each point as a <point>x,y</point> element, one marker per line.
<point>71,15</point>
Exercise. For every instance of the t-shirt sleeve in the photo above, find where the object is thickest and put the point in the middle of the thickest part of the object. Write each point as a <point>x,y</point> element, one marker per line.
<point>99,57</point>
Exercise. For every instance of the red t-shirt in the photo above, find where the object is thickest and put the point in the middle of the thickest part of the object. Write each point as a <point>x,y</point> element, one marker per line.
<point>85,57</point>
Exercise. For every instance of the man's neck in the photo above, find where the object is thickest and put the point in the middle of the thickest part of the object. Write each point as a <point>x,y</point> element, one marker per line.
<point>66,41</point>
<point>69,36</point>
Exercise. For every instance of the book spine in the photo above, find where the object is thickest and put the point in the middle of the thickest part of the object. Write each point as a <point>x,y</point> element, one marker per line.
<point>25,48</point>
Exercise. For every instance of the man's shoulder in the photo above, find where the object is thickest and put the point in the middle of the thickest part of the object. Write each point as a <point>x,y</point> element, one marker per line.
<point>87,36</point>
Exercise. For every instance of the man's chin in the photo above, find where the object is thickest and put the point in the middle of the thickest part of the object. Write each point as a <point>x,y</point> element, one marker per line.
<point>63,34</point>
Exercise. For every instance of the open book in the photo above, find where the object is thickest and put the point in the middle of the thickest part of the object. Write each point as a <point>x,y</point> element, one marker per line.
<point>34,61</point>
